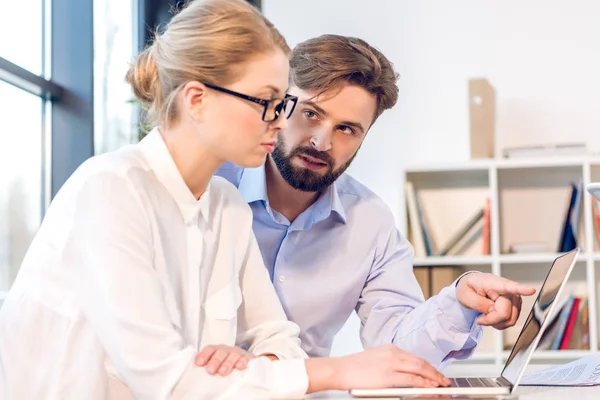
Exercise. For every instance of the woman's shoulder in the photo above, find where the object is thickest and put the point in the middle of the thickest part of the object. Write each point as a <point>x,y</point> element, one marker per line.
<point>119,162</point>
<point>226,191</point>
<point>112,169</point>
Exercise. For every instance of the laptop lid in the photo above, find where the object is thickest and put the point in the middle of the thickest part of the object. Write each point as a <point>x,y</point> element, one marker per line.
<point>537,321</point>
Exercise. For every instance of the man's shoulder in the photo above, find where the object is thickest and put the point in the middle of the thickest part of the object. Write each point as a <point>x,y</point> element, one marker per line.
<point>355,194</point>
<point>231,173</point>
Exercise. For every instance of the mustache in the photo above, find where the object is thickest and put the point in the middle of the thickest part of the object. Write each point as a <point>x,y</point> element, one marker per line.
<point>309,151</point>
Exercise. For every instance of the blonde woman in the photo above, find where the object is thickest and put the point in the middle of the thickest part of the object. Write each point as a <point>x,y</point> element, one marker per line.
<point>143,260</point>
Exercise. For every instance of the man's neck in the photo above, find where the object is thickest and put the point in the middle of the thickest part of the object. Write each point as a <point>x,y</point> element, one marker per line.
<point>283,198</point>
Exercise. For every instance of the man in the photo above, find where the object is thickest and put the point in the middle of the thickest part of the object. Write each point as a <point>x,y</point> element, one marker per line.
<point>330,244</point>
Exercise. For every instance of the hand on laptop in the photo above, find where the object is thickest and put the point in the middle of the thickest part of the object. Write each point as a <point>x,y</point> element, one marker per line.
<point>382,367</point>
<point>497,298</point>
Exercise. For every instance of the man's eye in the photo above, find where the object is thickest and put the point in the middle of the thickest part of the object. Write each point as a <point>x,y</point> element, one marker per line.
<point>346,129</point>
<point>310,114</point>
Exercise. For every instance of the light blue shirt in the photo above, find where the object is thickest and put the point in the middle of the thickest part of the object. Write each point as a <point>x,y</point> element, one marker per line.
<point>345,253</point>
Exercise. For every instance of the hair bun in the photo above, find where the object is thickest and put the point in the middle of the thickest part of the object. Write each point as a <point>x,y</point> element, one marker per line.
<point>143,77</point>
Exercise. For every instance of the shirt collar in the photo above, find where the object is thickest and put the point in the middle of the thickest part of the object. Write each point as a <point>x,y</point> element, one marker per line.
<point>253,187</point>
<point>253,184</point>
<point>158,157</point>
<point>329,203</point>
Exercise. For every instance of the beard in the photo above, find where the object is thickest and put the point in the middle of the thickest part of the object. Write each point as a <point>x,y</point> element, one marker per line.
<point>303,178</point>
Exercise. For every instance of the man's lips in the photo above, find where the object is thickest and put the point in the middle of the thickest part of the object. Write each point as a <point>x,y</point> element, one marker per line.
<point>313,160</point>
<point>311,163</point>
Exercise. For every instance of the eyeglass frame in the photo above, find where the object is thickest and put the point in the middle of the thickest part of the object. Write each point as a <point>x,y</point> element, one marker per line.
<point>262,102</point>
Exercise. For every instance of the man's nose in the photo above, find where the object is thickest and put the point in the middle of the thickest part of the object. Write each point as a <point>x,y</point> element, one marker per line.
<point>321,140</point>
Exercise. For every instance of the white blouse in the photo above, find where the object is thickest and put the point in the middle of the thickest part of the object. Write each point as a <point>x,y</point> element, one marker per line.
<point>129,277</point>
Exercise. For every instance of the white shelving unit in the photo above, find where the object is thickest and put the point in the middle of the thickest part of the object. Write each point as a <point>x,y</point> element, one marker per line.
<point>528,200</point>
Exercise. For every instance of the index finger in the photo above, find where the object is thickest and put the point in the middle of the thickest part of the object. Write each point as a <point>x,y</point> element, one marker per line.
<point>505,286</point>
<point>204,355</point>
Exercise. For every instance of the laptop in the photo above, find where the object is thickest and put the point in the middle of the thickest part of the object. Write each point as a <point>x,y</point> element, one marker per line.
<point>521,353</point>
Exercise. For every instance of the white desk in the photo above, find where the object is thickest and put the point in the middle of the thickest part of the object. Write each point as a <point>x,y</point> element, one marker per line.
<point>523,393</point>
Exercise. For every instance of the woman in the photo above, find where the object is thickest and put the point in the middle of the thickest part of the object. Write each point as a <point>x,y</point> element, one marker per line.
<point>143,259</point>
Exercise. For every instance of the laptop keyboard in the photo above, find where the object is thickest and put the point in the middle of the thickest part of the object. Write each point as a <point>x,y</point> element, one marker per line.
<point>473,382</point>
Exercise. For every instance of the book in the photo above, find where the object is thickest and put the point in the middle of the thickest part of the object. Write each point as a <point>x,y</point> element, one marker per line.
<point>416,233</point>
<point>562,323</point>
<point>456,238</point>
<point>528,248</point>
<point>424,230</point>
<point>566,339</point>
<point>486,228</point>
<point>596,217</point>
<point>575,216</point>
<point>442,277</point>
<point>552,329</point>
<point>423,275</point>
<point>546,150</point>
<point>567,238</point>
<point>576,342</point>
<point>585,326</point>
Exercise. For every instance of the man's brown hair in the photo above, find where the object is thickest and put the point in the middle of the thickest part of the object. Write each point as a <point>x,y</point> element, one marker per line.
<point>329,61</point>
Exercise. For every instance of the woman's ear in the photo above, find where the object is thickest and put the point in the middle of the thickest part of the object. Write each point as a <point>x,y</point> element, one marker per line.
<point>194,99</point>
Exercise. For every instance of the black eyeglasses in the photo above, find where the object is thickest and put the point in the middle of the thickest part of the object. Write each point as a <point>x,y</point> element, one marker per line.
<point>272,108</point>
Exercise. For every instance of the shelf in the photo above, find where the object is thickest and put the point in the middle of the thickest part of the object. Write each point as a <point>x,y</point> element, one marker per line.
<point>507,163</point>
<point>476,165</point>
<point>528,200</point>
<point>535,258</point>
<point>452,260</point>
<point>542,162</point>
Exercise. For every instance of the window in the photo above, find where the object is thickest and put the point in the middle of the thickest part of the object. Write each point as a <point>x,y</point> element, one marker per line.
<point>21,36</point>
<point>21,172</point>
<point>46,114</point>
<point>22,160</point>
<point>115,44</point>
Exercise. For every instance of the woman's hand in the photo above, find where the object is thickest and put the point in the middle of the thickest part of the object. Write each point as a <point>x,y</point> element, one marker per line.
<point>221,359</point>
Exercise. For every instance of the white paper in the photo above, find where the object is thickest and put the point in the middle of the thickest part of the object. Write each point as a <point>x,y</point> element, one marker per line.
<point>582,372</point>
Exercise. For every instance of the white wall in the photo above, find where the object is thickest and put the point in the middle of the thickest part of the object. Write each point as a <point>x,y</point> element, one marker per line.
<point>543,58</point>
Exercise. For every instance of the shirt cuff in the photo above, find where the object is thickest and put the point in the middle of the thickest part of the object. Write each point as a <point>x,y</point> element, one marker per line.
<point>462,318</point>
<point>289,379</point>
<point>283,350</point>
<point>467,312</point>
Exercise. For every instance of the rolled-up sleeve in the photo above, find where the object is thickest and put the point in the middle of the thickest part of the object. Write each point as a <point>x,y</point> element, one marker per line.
<point>110,257</point>
<point>392,309</point>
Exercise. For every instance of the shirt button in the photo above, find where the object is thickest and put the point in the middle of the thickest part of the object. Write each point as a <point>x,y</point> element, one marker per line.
<point>281,278</point>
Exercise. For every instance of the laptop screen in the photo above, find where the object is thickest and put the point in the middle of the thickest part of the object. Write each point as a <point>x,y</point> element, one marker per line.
<point>530,334</point>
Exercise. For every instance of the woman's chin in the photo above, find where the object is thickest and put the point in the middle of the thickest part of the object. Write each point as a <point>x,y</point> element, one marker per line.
<point>252,161</point>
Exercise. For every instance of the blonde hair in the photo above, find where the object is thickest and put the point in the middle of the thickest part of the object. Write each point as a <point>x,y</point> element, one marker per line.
<point>207,41</point>
<point>328,61</point>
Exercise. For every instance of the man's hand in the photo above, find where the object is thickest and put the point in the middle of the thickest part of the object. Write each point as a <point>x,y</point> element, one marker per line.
<point>499,299</point>
<point>379,367</point>
<point>223,359</point>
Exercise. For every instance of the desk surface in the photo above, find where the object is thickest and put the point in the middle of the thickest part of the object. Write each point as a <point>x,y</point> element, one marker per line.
<point>523,393</point>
